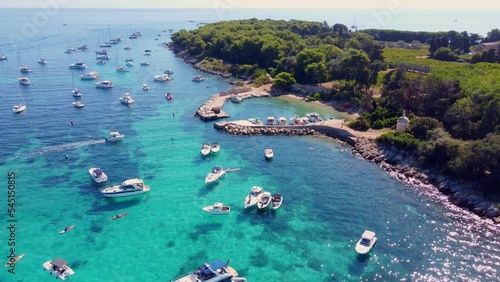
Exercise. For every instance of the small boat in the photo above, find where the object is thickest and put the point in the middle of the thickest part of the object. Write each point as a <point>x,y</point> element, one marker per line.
<point>129,187</point>
<point>115,136</point>
<point>128,48</point>
<point>121,69</point>
<point>270,121</point>
<point>98,175</point>
<point>213,271</point>
<point>42,61</point>
<point>66,229</point>
<point>147,52</point>
<point>276,201</point>
<point>90,76</point>
<point>161,78</point>
<point>145,63</point>
<point>78,66</point>
<point>103,57</point>
<point>269,153</point>
<point>129,64</point>
<point>145,87</point>
<point>256,121</point>
<point>101,62</point>
<point>168,71</point>
<point>236,99</point>
<point>58,268</point>
<point>76,93</point>
<point>2,56</point>
<point>105,44</point>
<point>205,149</point>
<point>78,104</point>
<point>264,200</point>
<point>129,60</point>
<point>365,244</point>
<point>104,84</point>
<point>84,47</point>
<point>282,121</point>
<point>101,52</point>
<point>198,78</point>
<point>24,81</point>
<point>217,208</point>
<point>215,147</point>
<point>133,36</point>
<point>14,260</point>
<point>70,50</point>
<point>169,96</point>
<point>127,99</point>
<point>216,173</point>
<point>120,215</point>
<point>253,197</point>
<point>25,69</point>
<point>19,108</point>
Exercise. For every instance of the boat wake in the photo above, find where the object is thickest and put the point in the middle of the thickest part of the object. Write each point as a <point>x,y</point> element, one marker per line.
<point>62,147</point>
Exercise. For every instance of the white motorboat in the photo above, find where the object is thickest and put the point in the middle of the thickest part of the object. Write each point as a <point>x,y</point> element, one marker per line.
<point>132,36</point>
<point>168,71</point>
<point>169,96</point>
<point>104,84</point>
<point>161,78</point>
<point>98,175</point>
<point>78,104</point>
<point>129,64</point>
<point>101,62</point>
<point>145,63</point>
<point>198,78</point>
<point>101,52</point>
<point>264,200</point>
<point>76,92</point>
<point>25,69</point>
<point>270,121</point>
<point>129,187</point>
<point>78,66</point>
<point>103,57</point>
<point>115,136</point>
<point>282,121</point>
<point>105,45</point>
<point>147,52</point>
<point>253,197</point>
<point>121,69</point>
<point>90,76</point>
<point>205,149</point>
<point>58,268</point>
<point>236,99</point>
<point>276,201</point>
<point>217,208</point>
<point>216,173</point>
<point>215,147</point>
<point>256,121</point>
<point>70,50</point>
<point>129,60</point>
<point>213,271</point>
<point>19,108</point>
<point>24,81</point>
<point>84,47</point>
<point>269,153</point>
<point>128,48</point>
<point>42,61</point>
<point>127,99</point>
<point>145,87</point>
<point>365,244</point>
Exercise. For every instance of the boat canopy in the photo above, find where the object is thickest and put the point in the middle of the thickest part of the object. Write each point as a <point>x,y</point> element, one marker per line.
<point>210,267</point>
<point>368,235</point>
<point>59,263</point>
<point>98,171</point>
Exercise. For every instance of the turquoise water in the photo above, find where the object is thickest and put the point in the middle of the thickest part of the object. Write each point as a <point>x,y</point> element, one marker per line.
<point>330,197</point>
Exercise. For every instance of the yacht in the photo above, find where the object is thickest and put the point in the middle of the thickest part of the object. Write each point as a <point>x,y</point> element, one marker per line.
<point>129,60</point>
<point>79,66</point>
<point>84,47</point>
<point>24,81</point>
<point>102,57</point>
<point>198,78</point>
<point>282,121</point>
<point>58,268</point>
<point>145,63</point>
<point>104,84</point>
<point>129,64</point>
<point>105,44</point>
<point>42,61</point>
<point>25,69</point>
<point>216,173</point>
<point>270,121</point>
<point>161,78</point>
<point>264,200</point>
<point>205,149</point>
<point>127,99</point>
<point>98,175</point>
<point>101,62</point>
<point>19,108</point>
<point>168,71</point>
<point>236,98</point>
<point>145,87</point>
<point>129,187</point>
<point>128,48</point>
<point>101,52</point>
<point>269,153</point>
<point>365,244</point>
<point>76,92</point>
<point>217,208</point>
<point>70,50</point>
<point>213,271</point>
<point>90,76</point>
<point>115,136</point>
<point>121,69</point>
<point>169,96</point>
<point>147,52</point>
<point>133,36</point>
<point>253,197</point>
<point>78,104</point>
<point>215,148</point>
<point>276,201</point>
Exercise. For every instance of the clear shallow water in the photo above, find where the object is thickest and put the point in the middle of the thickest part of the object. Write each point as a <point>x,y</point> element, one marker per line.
<point>330,197</point>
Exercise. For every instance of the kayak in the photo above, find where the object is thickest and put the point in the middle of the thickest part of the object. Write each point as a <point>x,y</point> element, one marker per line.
<point>15,260</point>
<point>67,229</point>
<point>118,216</point>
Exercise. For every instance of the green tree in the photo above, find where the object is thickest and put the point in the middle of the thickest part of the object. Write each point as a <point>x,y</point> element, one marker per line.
<point>420,127</point>
<point>445,54</point>
<point>284,81</point>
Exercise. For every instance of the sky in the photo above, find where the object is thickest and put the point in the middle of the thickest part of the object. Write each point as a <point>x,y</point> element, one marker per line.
<point>256,4</point>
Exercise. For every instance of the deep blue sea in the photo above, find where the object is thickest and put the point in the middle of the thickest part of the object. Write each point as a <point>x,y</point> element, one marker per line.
<point>330,197</point>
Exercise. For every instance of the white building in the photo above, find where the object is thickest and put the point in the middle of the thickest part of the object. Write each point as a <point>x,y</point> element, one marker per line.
<point>403,123</point>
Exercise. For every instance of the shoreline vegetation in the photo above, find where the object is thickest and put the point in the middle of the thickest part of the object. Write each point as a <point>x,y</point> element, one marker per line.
<point>453,102</point>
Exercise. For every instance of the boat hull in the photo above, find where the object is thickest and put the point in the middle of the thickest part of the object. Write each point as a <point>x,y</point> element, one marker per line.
<point>122,194</point>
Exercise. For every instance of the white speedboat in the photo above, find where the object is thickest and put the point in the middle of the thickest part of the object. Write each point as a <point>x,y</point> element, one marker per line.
<point>19,108</point>
<point>215,147</point>
<point>198,78</point>
<point>168,71</point>
<point>217,173</point>
<point>217,208</point>
<point>101,52</point>
<point>236,99</point>
<point>127,99</point>
<point>58,268</point>
<point>276,201</point>
<point>128,48</point>
<point>282,121</point>
<point>145,63</point>
<point>84,47</point>
<point>169,96</point>
<point>270,121</point>
<point>105,45</point>
<point>264,200</point>
<point>90,76</point>
<point>98,175</point>
<point>24,81</point>
<point>121,69</point>
<point>147,52</point>
<point>115,136</point>
<point>213,271</point>
<point>78,104</point>
<point>76,92</point>
<point>25,69</point>
<point>205,149</point>
<point>129,64</point>
<point>269,153</point>
<point>145,87</point>
<point>161,78</point>
<point>129,60</point>
<point>129,187</point>
<point>253,197</point>
<point>102,57</point>
<point>365,244</point>
<point>42,61</point>
<point>101,62</point>
<point>104,84</point>
<point>78,66</point>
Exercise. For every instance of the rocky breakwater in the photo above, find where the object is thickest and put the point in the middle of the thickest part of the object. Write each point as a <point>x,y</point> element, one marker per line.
<point>237,129</point>
<point>399,165</point>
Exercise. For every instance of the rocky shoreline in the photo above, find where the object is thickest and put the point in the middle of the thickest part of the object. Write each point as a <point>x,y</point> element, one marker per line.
<point>235,129</point>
